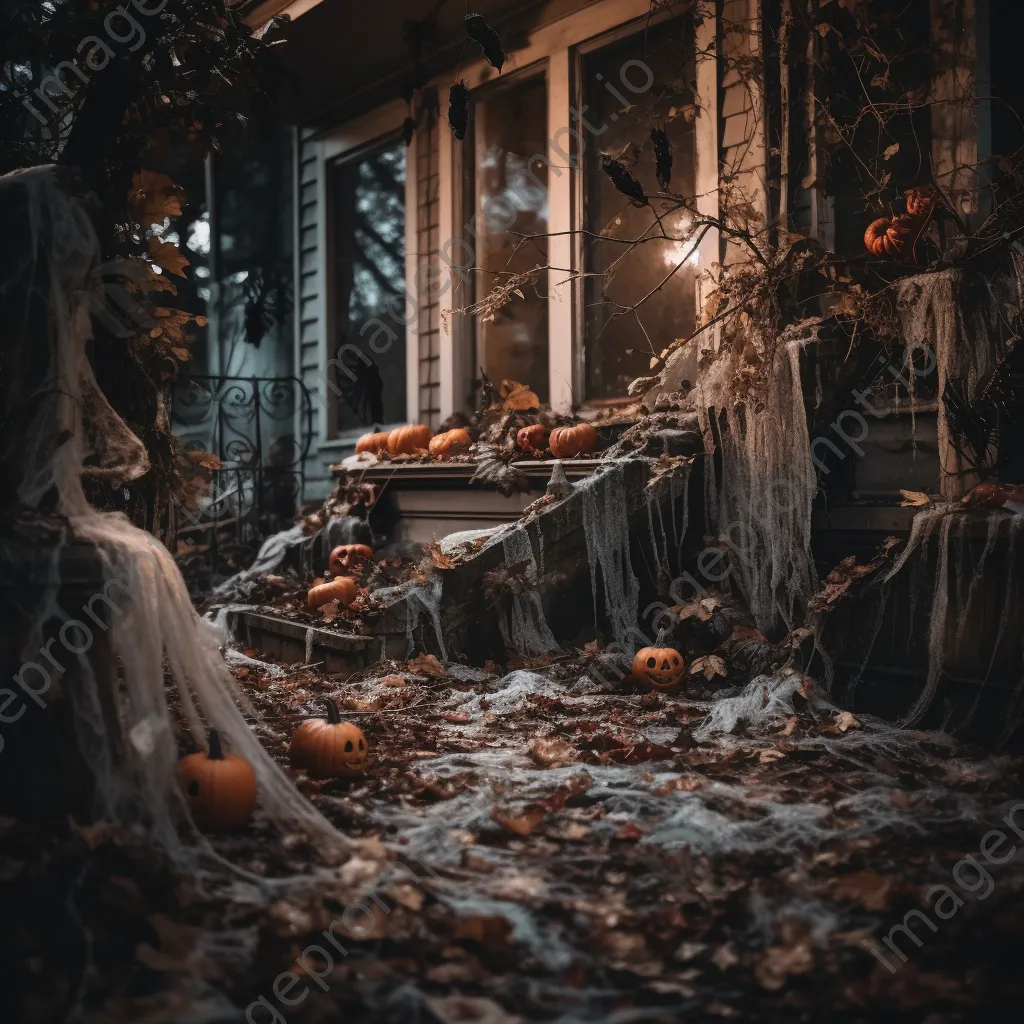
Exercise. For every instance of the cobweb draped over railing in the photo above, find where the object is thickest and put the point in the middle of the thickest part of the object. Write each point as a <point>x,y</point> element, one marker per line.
<point>525,629</point>
<point>763,509</point>
<point>131,747</point>
<point>954,590</point>
<point>606,529</point>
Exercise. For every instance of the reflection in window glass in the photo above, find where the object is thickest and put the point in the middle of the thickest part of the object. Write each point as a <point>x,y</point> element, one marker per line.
<point>630,88</point>
<point>369,287</point>
<point>510,202</point>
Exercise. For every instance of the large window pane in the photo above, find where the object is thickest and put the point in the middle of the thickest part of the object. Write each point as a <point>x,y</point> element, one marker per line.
<point>369,286</point>
<point>630,88</point>
<point>510,200</point>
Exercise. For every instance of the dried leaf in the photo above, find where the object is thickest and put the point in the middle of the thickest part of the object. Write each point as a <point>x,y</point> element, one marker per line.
<point>426,665</point>
<point>154,197</point>
<point>517,396</point>
<point>779,962</point>
<point>891,151</point>
<point>548,751</point>
<point>845,721</point>
<point>205,459</point>
<point>867,888</point>
<point>522,821</point>
<point>168,257</point>
<point>913,498</point>
<point>439,558</point>
<point>710,665</point>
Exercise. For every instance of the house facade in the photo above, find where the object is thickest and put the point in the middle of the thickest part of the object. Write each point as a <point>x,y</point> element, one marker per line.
<point>402,230</point>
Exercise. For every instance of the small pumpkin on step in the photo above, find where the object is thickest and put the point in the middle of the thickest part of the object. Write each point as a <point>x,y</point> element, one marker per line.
<point>661,668</point>
<point>329,748</point>
<point>220,788</point>
<point>342,589</point>
<point>347,557</point>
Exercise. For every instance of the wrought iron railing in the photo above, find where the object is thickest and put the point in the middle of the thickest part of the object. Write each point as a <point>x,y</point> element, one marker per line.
<point>261,428</point>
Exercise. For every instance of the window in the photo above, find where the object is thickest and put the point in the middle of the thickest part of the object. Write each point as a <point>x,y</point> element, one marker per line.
<point>629,89</point>
<point>510,209</point>
<point>521,200</point>
<point>368,192</point>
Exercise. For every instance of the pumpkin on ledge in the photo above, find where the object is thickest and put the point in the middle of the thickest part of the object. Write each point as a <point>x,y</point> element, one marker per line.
<point>450,442</point>
<point>568,442</point>
<point>409,440</point>
<point>220,788</point>
<point>375,444</point>
<point>342,589</point>
<point>533,438</point>
<point>329,748</point>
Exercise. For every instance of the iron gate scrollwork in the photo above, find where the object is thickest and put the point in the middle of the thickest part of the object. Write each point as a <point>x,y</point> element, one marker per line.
<point>250,423</point>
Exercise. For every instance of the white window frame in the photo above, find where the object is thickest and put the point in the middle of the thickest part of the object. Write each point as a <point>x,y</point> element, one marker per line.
<point>344,140</point>
<point>558,45</point>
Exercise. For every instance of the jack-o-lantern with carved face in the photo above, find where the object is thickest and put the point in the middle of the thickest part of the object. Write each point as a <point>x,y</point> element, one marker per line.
<point>346,558</point>
<point>660,668</point>
<point>329,748</point>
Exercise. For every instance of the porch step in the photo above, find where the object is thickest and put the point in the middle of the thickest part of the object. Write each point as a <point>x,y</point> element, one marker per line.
<point>289,642</point>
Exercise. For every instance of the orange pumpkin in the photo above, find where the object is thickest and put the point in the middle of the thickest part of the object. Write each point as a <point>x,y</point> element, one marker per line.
<point>888,236</point>
<point>566,442</point>
<point>533,438</point>
<point>457,440</point>
<point>993,495</point>
<point>409,440</point>
<point>661,668</point>
<point>376,444</point>
<point>220,788</point>
<point>919,202</point>
<point>342,589</point>
<point>329,748</point>
<point>346,557</point>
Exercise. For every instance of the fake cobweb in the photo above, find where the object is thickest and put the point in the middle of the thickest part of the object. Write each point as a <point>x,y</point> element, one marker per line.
<point>606,530</point>
<point>957,587</point>
<point>419,603</point>
<point>715,817</point>
<point>763,509</point>
<point>524,627</point>
<point>126,733</point>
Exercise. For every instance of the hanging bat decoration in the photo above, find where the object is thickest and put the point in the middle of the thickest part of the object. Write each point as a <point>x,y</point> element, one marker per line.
<point>662,157</point>
<point>458,109</point>
<point>480,32</point>
<point>624,182</point>
<point>409,126</point>
<point>361,385</point>
<point>267,302</point>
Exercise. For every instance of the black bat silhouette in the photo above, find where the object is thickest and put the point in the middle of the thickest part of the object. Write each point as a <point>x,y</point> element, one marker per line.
<point>458,109</point>
<point>480,32</point>
<point>361,386</point>
<point>662,157</point>
<point>624,181</point>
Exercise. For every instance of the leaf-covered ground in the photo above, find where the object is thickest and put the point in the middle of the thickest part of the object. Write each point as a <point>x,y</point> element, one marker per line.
<point>572,851</point>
